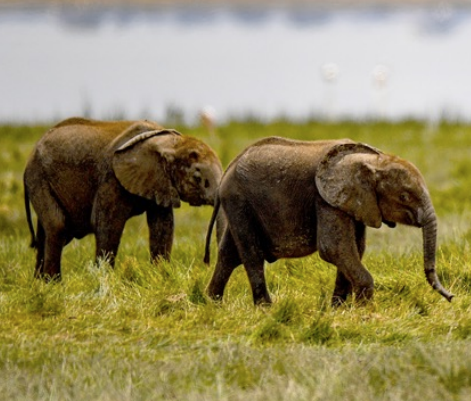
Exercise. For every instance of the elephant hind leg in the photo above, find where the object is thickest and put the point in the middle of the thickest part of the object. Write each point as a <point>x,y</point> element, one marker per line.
<point>248,242</point>
<point>241,243</point>
<point>228,260</point>
<point>52,259</point>
<point>52,234</point>
<point>40,245</point>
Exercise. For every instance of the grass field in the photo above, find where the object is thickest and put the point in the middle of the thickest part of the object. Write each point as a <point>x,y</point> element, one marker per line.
<point>145,332</point>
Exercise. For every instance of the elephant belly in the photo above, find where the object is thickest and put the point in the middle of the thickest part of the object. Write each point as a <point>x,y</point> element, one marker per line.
<point>291,238</point>
<point>289,226</point>
<point>292,246</point>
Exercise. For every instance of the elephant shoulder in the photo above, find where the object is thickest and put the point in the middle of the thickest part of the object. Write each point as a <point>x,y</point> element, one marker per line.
<point>74,121</point>
<point>273,140</point>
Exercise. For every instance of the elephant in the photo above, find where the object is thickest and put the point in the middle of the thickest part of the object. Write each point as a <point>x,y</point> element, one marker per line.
<point>89,177</point>
<point>284,198</point>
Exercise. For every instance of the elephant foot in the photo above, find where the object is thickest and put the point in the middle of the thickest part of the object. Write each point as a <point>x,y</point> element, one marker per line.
<point>364,295</point>
<point>338,300</point>
<point>263,300</point>
<point>48,278</point>
<point>216,298</point>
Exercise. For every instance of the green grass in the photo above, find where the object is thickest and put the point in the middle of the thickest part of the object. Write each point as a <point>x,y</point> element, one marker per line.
<point>145,332</point>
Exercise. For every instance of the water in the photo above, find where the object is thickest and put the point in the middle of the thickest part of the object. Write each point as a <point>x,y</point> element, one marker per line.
<point>335,63</point>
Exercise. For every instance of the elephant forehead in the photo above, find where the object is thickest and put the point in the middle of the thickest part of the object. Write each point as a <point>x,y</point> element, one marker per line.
<point>188,144</point>
<point>405,170</point>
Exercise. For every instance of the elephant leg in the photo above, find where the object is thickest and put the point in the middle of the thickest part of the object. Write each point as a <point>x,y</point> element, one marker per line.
<point>228,260</point>
<point>40,244</point>
<point>360,236</point>
<point>161,227</point>
<point>51,233</point>
<point>107,242</point>
<point>340,243</point>
<point>54,244</point>
<point>256,274</point>
<point>247,239</point>
<point>109,216</point>
<point>343,288</point>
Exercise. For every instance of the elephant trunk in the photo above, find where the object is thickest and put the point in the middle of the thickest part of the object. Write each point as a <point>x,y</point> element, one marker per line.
<point>429,231</point>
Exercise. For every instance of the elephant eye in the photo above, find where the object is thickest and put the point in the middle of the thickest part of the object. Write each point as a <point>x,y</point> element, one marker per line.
<point>193,156</point>
<point>197,176</point>
<point>404,197</point>
<point>206,183</point>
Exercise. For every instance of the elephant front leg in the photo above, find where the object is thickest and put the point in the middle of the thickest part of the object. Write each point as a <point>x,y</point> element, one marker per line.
<point>341,243</point>
<point>107,244</point>
<point>110,213</point>
<point>343,288</point>
<point>108,234</point>
<point>161,227</point>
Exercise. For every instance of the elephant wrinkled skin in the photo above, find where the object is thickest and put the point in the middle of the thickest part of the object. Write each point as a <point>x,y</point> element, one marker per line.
<point>89,177</point>
<point>284,198</point>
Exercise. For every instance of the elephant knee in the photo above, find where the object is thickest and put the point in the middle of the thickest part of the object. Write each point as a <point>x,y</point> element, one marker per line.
<point>330,253</point>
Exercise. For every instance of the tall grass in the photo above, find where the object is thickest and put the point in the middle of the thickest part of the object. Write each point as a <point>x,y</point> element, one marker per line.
<point>141,331</point>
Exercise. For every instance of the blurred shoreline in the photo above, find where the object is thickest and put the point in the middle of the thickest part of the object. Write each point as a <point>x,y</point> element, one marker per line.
<point>234,3</point>
<point>394,60</point>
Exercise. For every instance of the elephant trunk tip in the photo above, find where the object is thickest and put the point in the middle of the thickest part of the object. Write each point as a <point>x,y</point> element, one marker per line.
<point>448,296</point>
<point>437,286</point>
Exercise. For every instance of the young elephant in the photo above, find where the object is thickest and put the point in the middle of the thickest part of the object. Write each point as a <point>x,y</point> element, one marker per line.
<point>87,176</point>
<point>283,198</point>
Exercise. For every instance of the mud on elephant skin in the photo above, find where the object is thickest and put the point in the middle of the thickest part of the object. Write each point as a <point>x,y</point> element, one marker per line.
<point>89,177</point>
<point>284,198</point>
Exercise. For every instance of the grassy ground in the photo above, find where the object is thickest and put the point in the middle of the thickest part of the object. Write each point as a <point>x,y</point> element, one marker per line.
<point>149,332</point>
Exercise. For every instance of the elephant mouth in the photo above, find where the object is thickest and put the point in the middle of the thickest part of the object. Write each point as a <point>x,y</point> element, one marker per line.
<point>390,224</point>
<point>198,202</point>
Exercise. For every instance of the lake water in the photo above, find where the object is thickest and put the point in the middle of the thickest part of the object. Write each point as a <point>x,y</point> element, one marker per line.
<point>335,63</point>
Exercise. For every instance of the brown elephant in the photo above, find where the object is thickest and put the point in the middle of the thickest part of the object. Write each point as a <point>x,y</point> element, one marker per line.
<point>284,198</point>
<point>89,177</point>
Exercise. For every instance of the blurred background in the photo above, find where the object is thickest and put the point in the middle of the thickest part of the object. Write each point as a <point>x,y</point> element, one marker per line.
<point>174,61</point>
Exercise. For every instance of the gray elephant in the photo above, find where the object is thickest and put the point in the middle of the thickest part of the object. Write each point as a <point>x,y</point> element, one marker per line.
<point>89,177</point>
<point>284,198</point>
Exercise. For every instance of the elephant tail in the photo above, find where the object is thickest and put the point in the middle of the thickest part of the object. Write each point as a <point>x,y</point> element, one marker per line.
<point>207,251</point>
<point>28,218</point>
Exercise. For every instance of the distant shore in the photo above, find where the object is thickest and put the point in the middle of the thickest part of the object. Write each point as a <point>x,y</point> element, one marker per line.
<point>235,3</point>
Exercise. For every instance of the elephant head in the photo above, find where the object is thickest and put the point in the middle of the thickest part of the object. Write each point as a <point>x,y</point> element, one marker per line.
<point>373,188</point>
<point>167,167</point>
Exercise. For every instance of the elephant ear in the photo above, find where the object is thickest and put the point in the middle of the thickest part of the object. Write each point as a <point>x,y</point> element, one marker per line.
<point>346,180</point>
<point>141,166</point>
